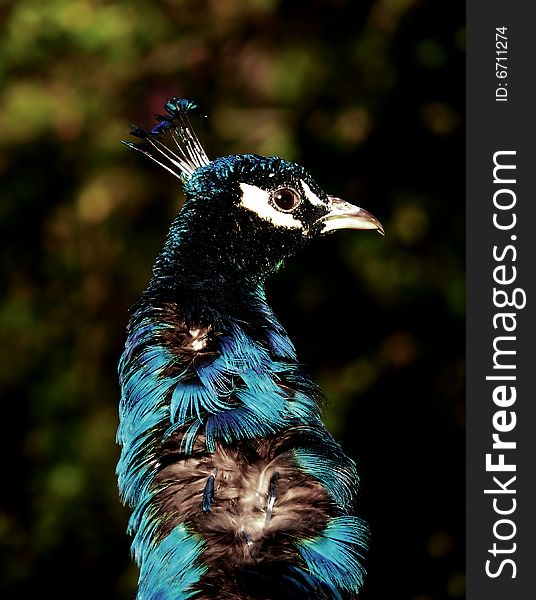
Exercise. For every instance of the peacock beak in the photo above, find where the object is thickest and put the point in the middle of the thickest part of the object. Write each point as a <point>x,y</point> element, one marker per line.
<point>343,215</point>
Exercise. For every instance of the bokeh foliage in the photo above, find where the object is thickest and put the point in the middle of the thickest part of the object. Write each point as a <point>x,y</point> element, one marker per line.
<point>369,96</point>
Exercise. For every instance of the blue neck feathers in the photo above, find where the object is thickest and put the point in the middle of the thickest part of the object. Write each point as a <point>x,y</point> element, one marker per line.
<point>222,378</point>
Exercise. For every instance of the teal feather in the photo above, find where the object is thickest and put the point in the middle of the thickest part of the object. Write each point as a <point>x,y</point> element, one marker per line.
<point>336,555</point>
<point>170,568</point>
<point>332,468</point>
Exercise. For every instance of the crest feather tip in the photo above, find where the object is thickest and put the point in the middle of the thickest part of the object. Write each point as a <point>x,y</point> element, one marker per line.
<point>173,140</point>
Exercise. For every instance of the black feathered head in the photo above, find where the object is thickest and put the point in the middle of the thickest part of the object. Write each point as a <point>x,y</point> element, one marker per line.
<point>244,214</point>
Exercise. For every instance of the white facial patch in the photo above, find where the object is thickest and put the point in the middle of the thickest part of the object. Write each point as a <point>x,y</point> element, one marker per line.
<point>258,201</point>
<point>313,198</point>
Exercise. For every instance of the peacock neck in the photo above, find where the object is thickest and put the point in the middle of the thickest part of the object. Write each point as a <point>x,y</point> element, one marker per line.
<point>205,293</point>
<point>210,258</point>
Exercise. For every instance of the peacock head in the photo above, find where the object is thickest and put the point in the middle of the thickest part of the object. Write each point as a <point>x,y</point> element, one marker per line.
<point>243,213</point>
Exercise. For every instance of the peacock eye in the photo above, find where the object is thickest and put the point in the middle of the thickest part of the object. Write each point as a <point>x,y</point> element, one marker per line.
<point>286,199</point>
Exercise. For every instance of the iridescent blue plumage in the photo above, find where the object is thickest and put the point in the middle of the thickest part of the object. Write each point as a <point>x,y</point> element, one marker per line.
<point>237,489</point>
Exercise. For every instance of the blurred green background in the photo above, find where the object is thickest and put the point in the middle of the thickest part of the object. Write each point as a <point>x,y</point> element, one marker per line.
<point>369,96</point>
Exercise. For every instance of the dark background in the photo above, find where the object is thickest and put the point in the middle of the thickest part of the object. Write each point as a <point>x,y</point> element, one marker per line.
<point>369,97</point>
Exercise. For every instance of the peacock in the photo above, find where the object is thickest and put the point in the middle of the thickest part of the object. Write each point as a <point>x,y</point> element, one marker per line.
<point>237,489</point>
